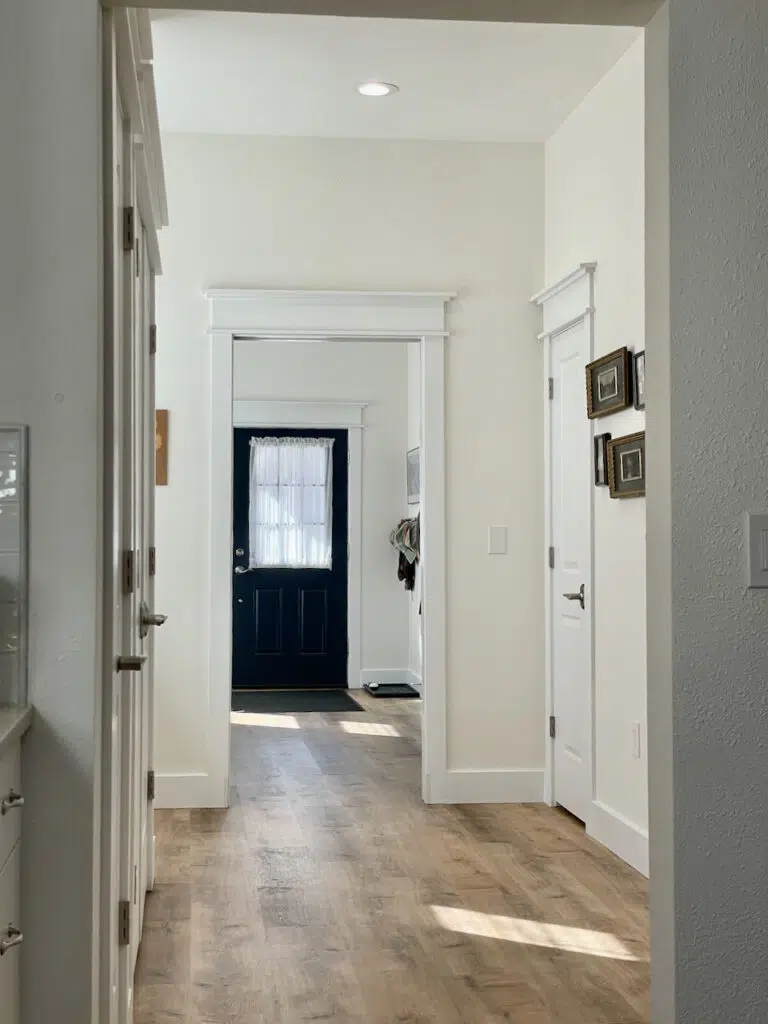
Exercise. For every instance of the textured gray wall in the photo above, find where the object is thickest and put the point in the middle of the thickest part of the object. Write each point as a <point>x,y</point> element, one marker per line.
<point>50,256</point>
<point>711,661</point>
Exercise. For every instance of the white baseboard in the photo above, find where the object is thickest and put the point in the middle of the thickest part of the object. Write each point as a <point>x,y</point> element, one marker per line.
<point>481,787</point>
<point>384,675</point>
<point>620,835</point>
<point>189,790</point>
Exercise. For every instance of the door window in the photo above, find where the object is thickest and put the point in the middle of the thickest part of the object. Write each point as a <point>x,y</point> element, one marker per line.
<point>290,506</point>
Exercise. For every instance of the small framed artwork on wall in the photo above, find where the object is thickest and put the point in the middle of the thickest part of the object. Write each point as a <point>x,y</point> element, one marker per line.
<point>609,383</point>
<point>639,381</point>
<point>161,447</point>
<point>601,459</point>
<point>413,475</point>
<point>626,466</point>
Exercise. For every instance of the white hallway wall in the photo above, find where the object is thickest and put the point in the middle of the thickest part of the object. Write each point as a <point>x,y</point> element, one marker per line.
<point>50,379</point>
<point>595,210</point>
<point>390,216</point>
<point>378,374</point>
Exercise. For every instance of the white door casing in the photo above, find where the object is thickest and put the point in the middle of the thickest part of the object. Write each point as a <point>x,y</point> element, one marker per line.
<point>134,208</point>
<point>337,316</point>
<point>568,339</point>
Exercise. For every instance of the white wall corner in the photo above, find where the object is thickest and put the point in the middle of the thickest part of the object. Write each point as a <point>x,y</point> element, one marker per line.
<point>620,835</point>
<point>486,787</point>
<point>414,679</point>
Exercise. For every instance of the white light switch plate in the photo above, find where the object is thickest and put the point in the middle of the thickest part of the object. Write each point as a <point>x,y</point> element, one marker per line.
<point>757,549</point>
<point>497,540</point>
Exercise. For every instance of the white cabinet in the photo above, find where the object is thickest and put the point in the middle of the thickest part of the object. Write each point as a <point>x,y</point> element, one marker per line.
<point>11,937</point>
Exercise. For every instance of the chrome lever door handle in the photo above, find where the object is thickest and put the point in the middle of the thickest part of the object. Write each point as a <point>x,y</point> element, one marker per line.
<point>10,937</point>
<point>11,802</point>
<point>578,596</point>
<point>240,570</point>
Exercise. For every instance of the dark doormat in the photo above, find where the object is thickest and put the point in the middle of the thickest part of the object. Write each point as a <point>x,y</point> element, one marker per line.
<point>277,702</point>
<point>391,690</point>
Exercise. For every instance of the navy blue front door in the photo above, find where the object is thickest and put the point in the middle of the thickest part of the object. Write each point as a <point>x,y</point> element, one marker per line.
<point>289,624</point>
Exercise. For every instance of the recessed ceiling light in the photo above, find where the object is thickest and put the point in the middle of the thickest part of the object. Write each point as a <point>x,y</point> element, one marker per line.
<point>377,89</point>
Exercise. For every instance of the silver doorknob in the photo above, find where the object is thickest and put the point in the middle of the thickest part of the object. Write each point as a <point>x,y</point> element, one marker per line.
<point>149,619</point>
<point>131,662</point>
<point>9,938</point>
<point>578,596</point>
<point>11,802</point>
<point>240,570</point>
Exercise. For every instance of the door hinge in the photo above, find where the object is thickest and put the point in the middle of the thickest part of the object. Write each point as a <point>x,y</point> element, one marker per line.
<point>124,923</point>
<point>129,572</point>
<point>150,785</point>
<point>129,229</point>
<point>153,339</point>
<point>152,568</point>
<point>552,727</point>
<point>551,388</point>
<point>551,558</point>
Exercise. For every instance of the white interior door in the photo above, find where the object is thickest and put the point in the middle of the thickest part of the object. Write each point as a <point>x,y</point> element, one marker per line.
<point>113,832</point>
<point>571,517</point>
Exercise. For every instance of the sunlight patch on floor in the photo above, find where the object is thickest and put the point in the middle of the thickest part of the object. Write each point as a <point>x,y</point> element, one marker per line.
<point>534,933</point>
<point>264,721</point>
<point>369,729</point>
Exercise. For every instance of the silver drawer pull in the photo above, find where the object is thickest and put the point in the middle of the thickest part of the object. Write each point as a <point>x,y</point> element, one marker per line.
<point>12,937</point>
<point>11,802</point>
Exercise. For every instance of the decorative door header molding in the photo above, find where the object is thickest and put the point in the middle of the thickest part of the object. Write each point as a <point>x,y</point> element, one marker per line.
<point>326,315</point>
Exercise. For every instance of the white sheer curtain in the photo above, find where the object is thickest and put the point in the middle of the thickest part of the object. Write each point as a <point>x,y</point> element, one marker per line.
<point>290,508</point>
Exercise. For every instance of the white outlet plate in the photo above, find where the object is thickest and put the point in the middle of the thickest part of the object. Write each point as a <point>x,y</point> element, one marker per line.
<point>497,540</point>
<point>636,741</point>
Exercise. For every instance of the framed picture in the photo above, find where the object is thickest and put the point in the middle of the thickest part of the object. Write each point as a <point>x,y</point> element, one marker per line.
<point>609,383</point>
<point>626,466</point>
<point>413,474</point>
<point>639,381</point>
<point>601,459</point>
<point>161,447</point>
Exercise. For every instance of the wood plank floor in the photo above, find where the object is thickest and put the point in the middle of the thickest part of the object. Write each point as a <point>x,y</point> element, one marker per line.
<point>329,892</point>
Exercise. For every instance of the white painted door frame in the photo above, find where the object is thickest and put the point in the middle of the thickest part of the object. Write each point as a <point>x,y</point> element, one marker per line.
<point>338,316</point>
<point>564,305</point>
<point>347,416</point>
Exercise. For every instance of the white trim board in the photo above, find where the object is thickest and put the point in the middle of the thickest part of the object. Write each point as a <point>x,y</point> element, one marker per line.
<point>270,412</point>
<point>620,835</point>
<point>343,416</point>
<point>184,790</point>
<point>564,305</point>
<point>492,787</point>
<point>363,316</point>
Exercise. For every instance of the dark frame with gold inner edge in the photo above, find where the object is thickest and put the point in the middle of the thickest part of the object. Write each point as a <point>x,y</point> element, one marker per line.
<point>622,442</point>
<point>623,359</point>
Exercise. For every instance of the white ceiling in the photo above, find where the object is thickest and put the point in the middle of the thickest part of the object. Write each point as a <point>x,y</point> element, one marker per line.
<point>261,74</point>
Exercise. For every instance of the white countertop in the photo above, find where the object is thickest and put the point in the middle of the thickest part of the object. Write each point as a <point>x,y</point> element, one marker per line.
<point>14,722</point>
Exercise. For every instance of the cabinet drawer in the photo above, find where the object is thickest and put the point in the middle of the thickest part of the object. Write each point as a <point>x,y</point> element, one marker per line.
<point>10,913</point>
<point>10,823</point>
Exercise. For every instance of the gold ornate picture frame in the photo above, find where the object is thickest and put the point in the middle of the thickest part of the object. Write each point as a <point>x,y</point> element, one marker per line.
<point>609,383</point>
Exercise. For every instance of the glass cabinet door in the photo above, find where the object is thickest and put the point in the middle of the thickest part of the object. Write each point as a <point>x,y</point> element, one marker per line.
<point>13,565</point>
